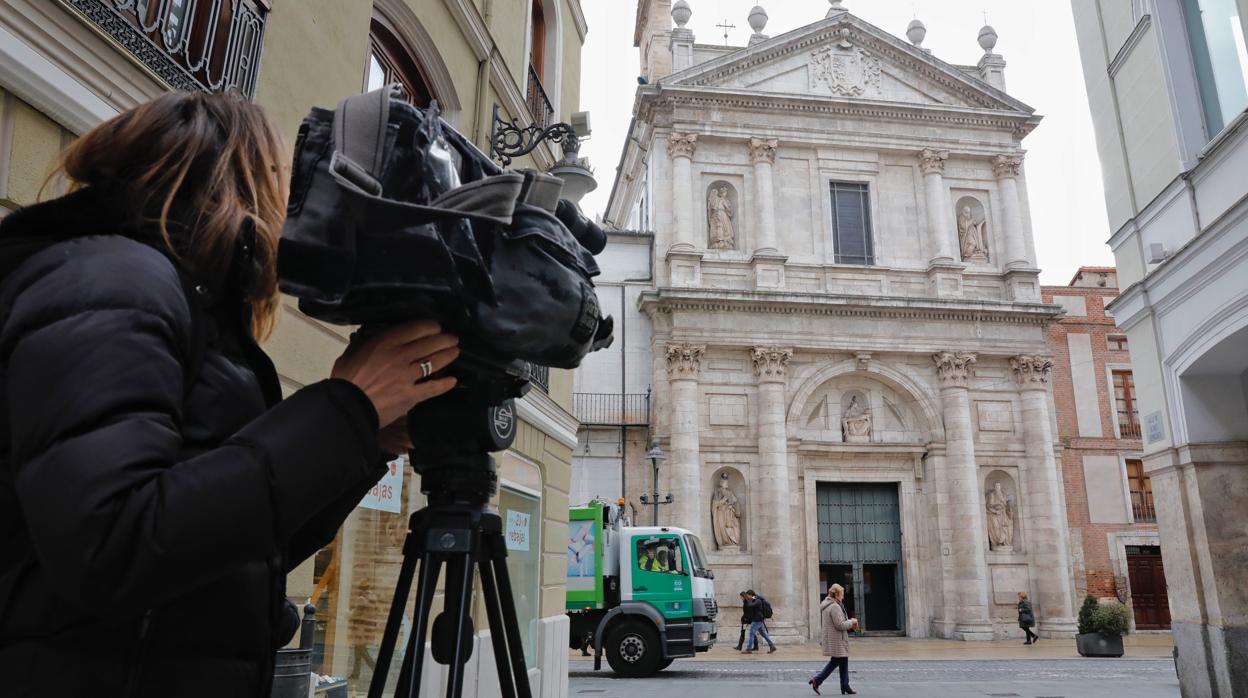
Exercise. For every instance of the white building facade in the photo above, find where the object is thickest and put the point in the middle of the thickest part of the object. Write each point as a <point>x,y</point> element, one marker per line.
<point>845,328</point>
<point>1166,81</point>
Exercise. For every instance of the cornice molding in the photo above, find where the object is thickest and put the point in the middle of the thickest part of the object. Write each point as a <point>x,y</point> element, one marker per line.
<point>578,19</point>
<point>668,300</point>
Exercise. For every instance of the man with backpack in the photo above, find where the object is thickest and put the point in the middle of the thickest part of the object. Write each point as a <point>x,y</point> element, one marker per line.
<point>757,610</point>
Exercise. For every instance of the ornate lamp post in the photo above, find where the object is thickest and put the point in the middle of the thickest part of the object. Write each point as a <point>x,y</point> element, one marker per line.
<point>509,140</point>
<point>655,456</point>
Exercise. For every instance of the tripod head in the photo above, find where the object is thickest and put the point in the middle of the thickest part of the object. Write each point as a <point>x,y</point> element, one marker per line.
<point>455,435</point>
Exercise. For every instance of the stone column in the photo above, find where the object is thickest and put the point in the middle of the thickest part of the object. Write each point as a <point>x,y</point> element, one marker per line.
<point>1046,526</point>
<point>1006,168</point>
<point>680,147</point>
<point>939,218</point>
<point>684,462</point>
<point>763,155</point>
<point>775,566</point>
<point>968,534</point>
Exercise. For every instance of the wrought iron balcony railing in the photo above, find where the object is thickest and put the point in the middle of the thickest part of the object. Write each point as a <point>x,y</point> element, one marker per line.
<point>540,376</point>
<point>612,409</point>
<point>539,104</point>
<point>193,45</point>
<point>1142,506</point>
<point>1129,430</point>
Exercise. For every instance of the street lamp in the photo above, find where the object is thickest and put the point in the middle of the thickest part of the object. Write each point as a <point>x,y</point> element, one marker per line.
<point>655,456</point>
<point>508,140</point>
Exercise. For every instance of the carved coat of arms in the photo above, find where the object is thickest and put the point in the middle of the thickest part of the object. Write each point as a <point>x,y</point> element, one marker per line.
<point>849,72</point>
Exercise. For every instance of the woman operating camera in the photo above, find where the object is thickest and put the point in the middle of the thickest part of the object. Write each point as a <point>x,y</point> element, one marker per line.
<point>154,487</point>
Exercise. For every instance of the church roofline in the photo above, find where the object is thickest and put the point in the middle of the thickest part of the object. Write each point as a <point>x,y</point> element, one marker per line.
<point>815,34</point>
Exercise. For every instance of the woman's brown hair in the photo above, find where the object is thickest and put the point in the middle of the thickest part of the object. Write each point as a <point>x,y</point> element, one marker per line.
<point>199,162</point>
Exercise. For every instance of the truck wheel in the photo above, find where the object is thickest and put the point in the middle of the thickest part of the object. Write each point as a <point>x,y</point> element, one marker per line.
<point>665,663</point>
<point>633,649</point>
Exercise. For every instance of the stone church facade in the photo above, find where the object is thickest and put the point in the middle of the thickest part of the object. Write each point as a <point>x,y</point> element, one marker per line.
<point>847,338</point>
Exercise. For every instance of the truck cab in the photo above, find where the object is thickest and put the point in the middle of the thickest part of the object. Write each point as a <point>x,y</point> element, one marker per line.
<point>642,595</point>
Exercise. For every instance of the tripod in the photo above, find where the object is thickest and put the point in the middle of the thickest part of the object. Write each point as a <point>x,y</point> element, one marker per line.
<point>458,531</point>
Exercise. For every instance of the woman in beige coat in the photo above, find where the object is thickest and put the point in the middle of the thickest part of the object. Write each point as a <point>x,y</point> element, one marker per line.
<point>836,627</point>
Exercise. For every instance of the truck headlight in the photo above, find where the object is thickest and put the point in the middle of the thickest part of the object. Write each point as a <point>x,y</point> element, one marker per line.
<point>704,637</point>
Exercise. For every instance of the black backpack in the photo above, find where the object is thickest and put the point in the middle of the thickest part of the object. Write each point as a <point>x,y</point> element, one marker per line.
<point>766,608</point>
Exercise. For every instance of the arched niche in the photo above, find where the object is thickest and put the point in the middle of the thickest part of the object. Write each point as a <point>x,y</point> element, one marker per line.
<point>1009,490</point>
<point>971,222</point>
<point>923,406</point>
<point>731,479</point>
<point>859,407</point>
<point>723,216</point>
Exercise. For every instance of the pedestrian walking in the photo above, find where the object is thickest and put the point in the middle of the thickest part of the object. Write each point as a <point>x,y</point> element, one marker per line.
<point>836,627</point>
<point>745,622</point>
<point>756,611</point>
<point>1026,618</point>
<point>155,488</point>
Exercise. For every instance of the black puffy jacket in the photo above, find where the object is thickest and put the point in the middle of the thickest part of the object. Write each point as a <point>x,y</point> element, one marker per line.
<point>146,526</point>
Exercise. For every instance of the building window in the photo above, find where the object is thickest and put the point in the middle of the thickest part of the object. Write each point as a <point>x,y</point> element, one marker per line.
<point>537,41</point>
<point>851,224</point>
<point>1116,342</point>
<point>1128,410</point>
<point>389,61</point>
<point>538,100</point>
<point>1141,488</point>
<point>1216,37</point>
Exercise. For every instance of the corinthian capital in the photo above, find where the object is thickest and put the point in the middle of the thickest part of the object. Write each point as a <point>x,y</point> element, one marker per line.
<point>1007,165</point>
<point>771,363</point>
<point>932,160</point>
<point>1031,371</point>
<point>953,369</point>
<point>684,360</point>
<point>763,150</point>
<point>681,145</point>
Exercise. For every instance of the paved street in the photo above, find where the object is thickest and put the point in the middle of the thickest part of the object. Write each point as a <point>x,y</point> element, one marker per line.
<point>1060,678</point>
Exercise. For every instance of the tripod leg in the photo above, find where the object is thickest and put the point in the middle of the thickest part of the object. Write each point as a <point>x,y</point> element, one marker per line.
<point>498,556</point>
<point>395,620</point>
<point>414,659</point>
<point>494,616</point>
<point>463,579</point>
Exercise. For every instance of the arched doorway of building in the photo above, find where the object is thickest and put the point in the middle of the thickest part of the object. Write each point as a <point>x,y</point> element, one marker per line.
<point>860,549</point>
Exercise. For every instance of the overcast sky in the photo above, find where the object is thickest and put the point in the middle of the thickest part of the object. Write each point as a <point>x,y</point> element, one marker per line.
<point>1037,41</point>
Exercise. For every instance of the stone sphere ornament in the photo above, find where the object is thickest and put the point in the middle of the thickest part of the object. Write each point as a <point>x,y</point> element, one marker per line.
<point>758,19</point>
<point>681,13</point>
<point>988,38</point>
<point>916,32</point>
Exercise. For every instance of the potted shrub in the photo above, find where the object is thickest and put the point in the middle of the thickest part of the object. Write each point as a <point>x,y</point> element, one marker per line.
<point>1101,627</point>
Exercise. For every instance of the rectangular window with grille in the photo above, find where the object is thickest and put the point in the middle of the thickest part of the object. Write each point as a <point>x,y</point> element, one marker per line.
<point>1125,403</point>
<point>851,224</point>
<point>1141,488</point>
<point>1116,342</point>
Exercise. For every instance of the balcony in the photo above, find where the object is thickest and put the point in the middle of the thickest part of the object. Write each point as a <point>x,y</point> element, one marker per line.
<point>1142,506</point>
<point>612,409</point>
<point>539,104</point>
<point>1129,430</point>
<point>540,376</point>
<point>193,45</point>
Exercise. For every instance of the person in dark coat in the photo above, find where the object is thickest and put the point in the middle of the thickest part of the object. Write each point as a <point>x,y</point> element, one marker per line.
<point>155,488</point>
<point>757,617</point>
<point>1026,618</point>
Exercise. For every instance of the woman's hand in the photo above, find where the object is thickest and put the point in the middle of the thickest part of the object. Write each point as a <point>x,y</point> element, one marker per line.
<point>388,368</point>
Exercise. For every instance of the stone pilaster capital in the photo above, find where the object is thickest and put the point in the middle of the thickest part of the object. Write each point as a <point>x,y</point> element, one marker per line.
<point>954,369</point>
<point>684,360</point>
<point>763,150</point>
<point>681,145</point>
<point>1005,166</point>
<point>1031,371</point>
<point>932,160</point>
<point>771,363</point>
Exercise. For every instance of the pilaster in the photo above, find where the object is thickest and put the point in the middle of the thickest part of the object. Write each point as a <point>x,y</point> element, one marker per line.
<point>1007,168</point>
<point>684,363</point>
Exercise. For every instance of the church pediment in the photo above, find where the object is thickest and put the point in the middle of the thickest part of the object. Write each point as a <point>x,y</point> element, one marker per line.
<point>846,57</point>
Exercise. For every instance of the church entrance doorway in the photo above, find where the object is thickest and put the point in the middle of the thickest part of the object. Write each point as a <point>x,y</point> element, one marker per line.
<point>860,549</point>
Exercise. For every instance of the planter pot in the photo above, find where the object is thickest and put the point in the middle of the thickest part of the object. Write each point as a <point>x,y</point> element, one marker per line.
<point>1098,645</point>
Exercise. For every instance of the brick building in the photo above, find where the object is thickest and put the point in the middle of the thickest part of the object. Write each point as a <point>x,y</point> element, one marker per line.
<point>1109,500</point>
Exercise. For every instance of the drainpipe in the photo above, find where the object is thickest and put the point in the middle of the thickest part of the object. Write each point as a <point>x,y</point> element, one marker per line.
<point>483,126</point>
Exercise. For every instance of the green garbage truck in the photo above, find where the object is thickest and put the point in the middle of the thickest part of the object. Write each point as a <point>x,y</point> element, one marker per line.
<point>642,595</point>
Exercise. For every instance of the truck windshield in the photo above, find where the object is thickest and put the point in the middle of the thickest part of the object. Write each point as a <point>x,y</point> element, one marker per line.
<point>696,559</point>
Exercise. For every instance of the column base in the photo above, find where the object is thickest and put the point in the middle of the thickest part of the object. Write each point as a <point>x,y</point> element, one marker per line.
<point>944,278</point>
<point>945,629</point>
<point>782,633</point>
<point>974,632</point>
<point>1063,628</point>
<point>684,265</point>
<point>768,270</point>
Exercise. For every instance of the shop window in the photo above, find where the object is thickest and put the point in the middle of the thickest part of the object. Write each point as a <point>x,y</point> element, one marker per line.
<point>1126,405</point>
<point>521,511</point>
<point>851,224</point>
<point>1216,37</point>
<point>390,61</point>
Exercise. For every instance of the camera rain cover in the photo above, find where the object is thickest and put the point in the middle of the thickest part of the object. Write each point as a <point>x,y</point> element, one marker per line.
<point>395,216</point>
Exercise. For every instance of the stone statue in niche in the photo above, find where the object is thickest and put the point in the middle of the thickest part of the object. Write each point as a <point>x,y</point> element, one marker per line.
<point>720,215</point>
<point>726,517</point>
<point>856,422</point>
<point>1000,520</point>
<point>972,232</point>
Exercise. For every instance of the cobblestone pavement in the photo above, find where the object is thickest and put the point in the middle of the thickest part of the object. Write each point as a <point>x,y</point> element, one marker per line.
<point>1061,678</point>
